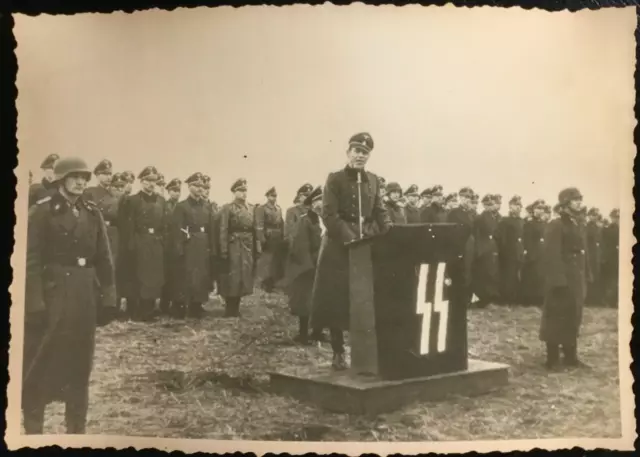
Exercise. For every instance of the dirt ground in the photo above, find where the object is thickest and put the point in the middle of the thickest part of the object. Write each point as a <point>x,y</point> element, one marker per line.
<point>207,379</point>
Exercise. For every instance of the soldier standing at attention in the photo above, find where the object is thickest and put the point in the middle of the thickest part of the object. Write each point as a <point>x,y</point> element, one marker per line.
<point>533,268</point>
<point>124,271</point>
<point>486,274</point>
<point>424,199</point>
<point>294,213</point>
<point>435,212</point>
<point>411,209</point>
<point>511,252</point>
<point>565,282</point>
<point>103,172</point>
<point>594,249</point>
<point>239,248</point>
<point>130,178</point>
<point>610,259</point>
<point>67,250</point>
<point>301,265</point>
<point>270,232</point>
<point>393,206</point>
<point>340,214</point>
<point>464,215</point>
<point>146,227</point>
<point>47,186</point>
<point>109,206</point>
<point>173,191</point>
<point>191,248</point>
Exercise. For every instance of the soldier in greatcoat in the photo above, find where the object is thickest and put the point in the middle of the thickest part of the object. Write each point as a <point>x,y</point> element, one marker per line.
<point>191,245</point>
<point>293,214</point>
<point>46,187</point>
<point>533,268</point>
<point>594,248</point>
<point>301,265</point>
<point>130,178</point>
<point>393,205</point>
<point>464,215</point>
<point>174,190</point>
<point>69,290</point>
<point>124,270</point>
<point>270,232</point>
<point>103,172</point>
<point>411,209</point>
<point>146,227</point>
<point>109,206</point>
<point>511,252</point>
<point>610,259</point>
<point>486,267</point>
<point>566,273</point>
<point>239,248</point>
<point>435,212</point>
<point>206,191</point>
<point>341,217</point>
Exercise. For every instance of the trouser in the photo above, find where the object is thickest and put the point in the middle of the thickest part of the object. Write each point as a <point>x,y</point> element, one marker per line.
<point>141,309</point>
<point>337,340</point>
<point>232,305</point>
<point>75,414</point>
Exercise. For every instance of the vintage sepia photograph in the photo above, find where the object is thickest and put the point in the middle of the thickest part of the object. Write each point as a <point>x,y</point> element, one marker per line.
<point>377,229</point>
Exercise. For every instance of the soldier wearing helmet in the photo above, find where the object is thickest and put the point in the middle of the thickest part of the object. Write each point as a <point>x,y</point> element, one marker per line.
<point>566,275</point>
<point>67,250</point>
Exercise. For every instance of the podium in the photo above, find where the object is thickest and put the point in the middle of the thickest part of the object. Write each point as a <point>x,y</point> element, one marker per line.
<point>408,327</point>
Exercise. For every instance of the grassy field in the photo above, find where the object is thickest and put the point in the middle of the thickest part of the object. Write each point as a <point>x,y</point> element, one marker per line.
<point>207,379</point>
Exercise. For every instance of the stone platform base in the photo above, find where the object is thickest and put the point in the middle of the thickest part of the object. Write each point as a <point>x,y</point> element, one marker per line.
<point>356,394</point>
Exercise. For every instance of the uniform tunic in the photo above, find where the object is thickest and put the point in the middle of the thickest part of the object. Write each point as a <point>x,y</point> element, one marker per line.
<point>396,212</point>
<point>238,248</point>
<point>566,272</point>
<point>412,213</point>
<point>301,263</point>
<point>191,238</point>
<point>170,264</point>
<point>69,275</point>
<point>270,232</point>
<point>594,248</point>
<point>511,254</point>
<point>486,273</point>
<point>330,297</point>
<point>292,217</point>
<point>533,268</point>
<point>466,218</point>
<point>433,213</point>
<point>108,205</point>
<point>41,190</point>
<point>124,259</point>
<point>146,228</point>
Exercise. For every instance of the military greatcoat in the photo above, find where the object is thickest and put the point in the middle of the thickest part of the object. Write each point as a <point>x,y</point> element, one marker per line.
<point>486,273</point>
<point>395,212</point>
<point>594,248</point>
<point>270,232</point>
<point>69,276</point>
<point>533,269</point>
<point>239,248</point>
<point>191,240</point>
<point>565,280</point>
<point>511,254</point>
<point>146,227</point>
<point>412,213</point>
<point>610,260</point>
<point>330,297</point>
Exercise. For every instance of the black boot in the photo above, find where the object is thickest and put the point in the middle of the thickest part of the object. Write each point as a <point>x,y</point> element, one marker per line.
<point>75,412</point>
<point>303,331</point>
<point>553,357</point>
<point>570,353</point>
<point>337,344</point>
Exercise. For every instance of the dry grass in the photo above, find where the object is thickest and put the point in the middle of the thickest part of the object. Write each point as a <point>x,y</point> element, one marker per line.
<point>207,379</point>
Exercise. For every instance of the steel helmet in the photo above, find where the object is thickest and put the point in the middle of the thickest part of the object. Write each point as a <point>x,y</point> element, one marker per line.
<point>68,165</point>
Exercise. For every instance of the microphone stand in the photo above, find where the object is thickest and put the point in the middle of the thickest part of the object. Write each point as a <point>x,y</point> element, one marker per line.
<point>360,204</point>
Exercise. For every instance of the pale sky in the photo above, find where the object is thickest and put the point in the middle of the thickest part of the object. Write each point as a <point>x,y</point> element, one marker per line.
<point>503,100</point>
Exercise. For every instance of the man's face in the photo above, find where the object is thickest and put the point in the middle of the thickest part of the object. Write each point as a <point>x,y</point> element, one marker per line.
<point>615,219</point>
<point>438,199</point>
<point>174,194</point>
<point>316,206</point>
<point>47,174</point>
<point>272,198</point>
<point>413,199</point>
<point>148,186</point>
<point>383,192</point>
<point>195,190</point>
<point>358,157</point>
<point>394,196</point>
<point>240,195</point>
<point>117,191</point>
<point>575,205</point>
<point>515,210</point>
<point>206,190</point>
<point>546,216</point>
<point>75,183</point>
<point>128,187</point>
<point>104,178</point>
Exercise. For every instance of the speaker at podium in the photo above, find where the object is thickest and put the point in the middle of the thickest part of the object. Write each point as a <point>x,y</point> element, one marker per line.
<point>408,326</point>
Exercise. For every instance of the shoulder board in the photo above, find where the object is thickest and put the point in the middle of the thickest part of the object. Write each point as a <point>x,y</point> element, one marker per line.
<point>43,200</point>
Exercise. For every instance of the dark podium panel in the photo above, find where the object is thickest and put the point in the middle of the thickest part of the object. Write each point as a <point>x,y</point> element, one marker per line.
<point>408,309</point>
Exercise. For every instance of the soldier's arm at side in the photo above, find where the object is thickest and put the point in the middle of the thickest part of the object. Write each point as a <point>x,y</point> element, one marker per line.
<point>259,221</point>
<point>36,231</point>
<point>105,268</point>
<point>336,227</point>
<point>223,230</point>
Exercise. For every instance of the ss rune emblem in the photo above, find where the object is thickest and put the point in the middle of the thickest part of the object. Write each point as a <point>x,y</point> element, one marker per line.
<point>428,308</point>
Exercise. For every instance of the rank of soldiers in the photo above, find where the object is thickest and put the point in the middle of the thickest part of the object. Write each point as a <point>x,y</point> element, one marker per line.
<point>91,250</point>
